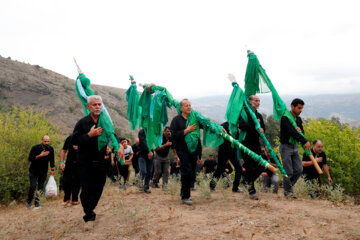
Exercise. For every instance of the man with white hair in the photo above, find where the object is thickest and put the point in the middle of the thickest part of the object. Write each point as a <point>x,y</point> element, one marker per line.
<point>91,160</point>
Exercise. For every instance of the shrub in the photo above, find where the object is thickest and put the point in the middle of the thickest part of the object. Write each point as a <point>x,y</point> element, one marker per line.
<point>20,129</point>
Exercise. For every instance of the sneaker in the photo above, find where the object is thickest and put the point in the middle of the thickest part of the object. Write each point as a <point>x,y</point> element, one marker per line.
<point>164,187</point>
<point>147,190</point>
<point>187,201</point>
<point>28,205</point>
<point>212,189</point>
<point>254,196</point>
<point>37,207</point>
<point>237,190</point>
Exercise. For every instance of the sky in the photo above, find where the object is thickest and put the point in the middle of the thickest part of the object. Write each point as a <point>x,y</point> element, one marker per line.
<point>189,46</point>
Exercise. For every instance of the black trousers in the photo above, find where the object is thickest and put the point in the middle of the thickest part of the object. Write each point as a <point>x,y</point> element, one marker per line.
<point>223,156</point>
<point>124,171</point>
<point>252,169</point>
<point>92,180</point>
<point>71,183</point>
<point>36,179</point>
<point>187,169</point>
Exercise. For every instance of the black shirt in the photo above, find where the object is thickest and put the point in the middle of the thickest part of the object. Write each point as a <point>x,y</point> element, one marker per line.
<point>209,166</point>
<point>71,152</point>
<point>164,152</point>
<point>177,126</point>
<point>143,147</point>
<point>252,136</point>
<point>226,146</point>
<point>310,171</point>
<point>287,130</point>
<point>88,152</point>
<point>40,165</point>
<point>136,151</point>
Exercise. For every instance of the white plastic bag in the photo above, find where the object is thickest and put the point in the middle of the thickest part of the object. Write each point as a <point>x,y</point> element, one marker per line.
<point>51,188</point>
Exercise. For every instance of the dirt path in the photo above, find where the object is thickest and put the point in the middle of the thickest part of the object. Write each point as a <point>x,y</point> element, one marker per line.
<point>133,215</point>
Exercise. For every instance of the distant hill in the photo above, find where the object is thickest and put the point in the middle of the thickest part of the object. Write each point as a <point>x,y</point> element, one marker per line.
<point>54,94</point>
<point>344,107</point>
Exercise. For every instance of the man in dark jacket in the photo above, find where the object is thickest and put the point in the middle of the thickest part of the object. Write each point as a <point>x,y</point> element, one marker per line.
<point>91,160</point>
<point>251,141</point>
<point>40,156</point>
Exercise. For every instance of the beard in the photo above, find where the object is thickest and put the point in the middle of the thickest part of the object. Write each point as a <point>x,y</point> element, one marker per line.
<point>255,106</point>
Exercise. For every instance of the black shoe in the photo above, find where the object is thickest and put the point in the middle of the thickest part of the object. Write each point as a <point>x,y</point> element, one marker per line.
<point>193,189</point>
<point>28,205</point>
<point>237,190</point>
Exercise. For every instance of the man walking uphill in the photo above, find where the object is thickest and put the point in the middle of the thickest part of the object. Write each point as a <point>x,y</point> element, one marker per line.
<point>289,150</point>
<point>91,160</point>
<point>40,156</point>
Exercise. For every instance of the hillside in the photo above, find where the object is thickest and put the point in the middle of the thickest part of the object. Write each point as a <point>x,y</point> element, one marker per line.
<point>54,94</point>
<point>133,215</point>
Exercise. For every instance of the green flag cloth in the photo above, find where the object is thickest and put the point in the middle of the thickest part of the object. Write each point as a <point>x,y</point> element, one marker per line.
<point>213,135</point>
<point>192,138</point>
<point>133,110</point>
<point>255,82</point>
<point>83,90</point>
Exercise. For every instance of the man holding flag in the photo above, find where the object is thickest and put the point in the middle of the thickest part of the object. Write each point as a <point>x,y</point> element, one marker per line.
<point>289,149</point>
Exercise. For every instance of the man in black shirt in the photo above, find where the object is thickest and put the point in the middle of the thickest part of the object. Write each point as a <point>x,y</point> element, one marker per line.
<point>209,165</point>
<point>162,160</point>
<point>309,170</point>
<point>290,151</point>
<point>146,161</point>
<point>226,153</point>
<point>71,176</point>
<point>179,130</point>
<point>251,141</point>
<point>91,160</point>
<point>40,156</point>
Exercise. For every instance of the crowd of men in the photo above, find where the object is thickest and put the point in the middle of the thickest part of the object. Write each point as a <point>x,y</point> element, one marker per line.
<point>86,166</point>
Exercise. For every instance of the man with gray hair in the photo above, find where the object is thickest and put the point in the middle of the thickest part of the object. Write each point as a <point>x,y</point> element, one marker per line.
<point>251,141</point>
<point>91,160</point>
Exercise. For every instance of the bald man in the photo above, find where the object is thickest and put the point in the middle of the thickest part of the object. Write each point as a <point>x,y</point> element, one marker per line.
<point>40,156</point>
<point>309,170</point>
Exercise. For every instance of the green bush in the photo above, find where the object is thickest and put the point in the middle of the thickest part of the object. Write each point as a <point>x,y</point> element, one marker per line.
<point>20,129</point>
<point>342,147</point>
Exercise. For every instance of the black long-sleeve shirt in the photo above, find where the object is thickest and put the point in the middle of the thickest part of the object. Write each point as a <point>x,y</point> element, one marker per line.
<point>143,147</point>
<point>177,127</point>
<point>88,152</point>
<point>71,157</point>
<point>252,136</point>
<point>287,130</point>
<point>40,165</point>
